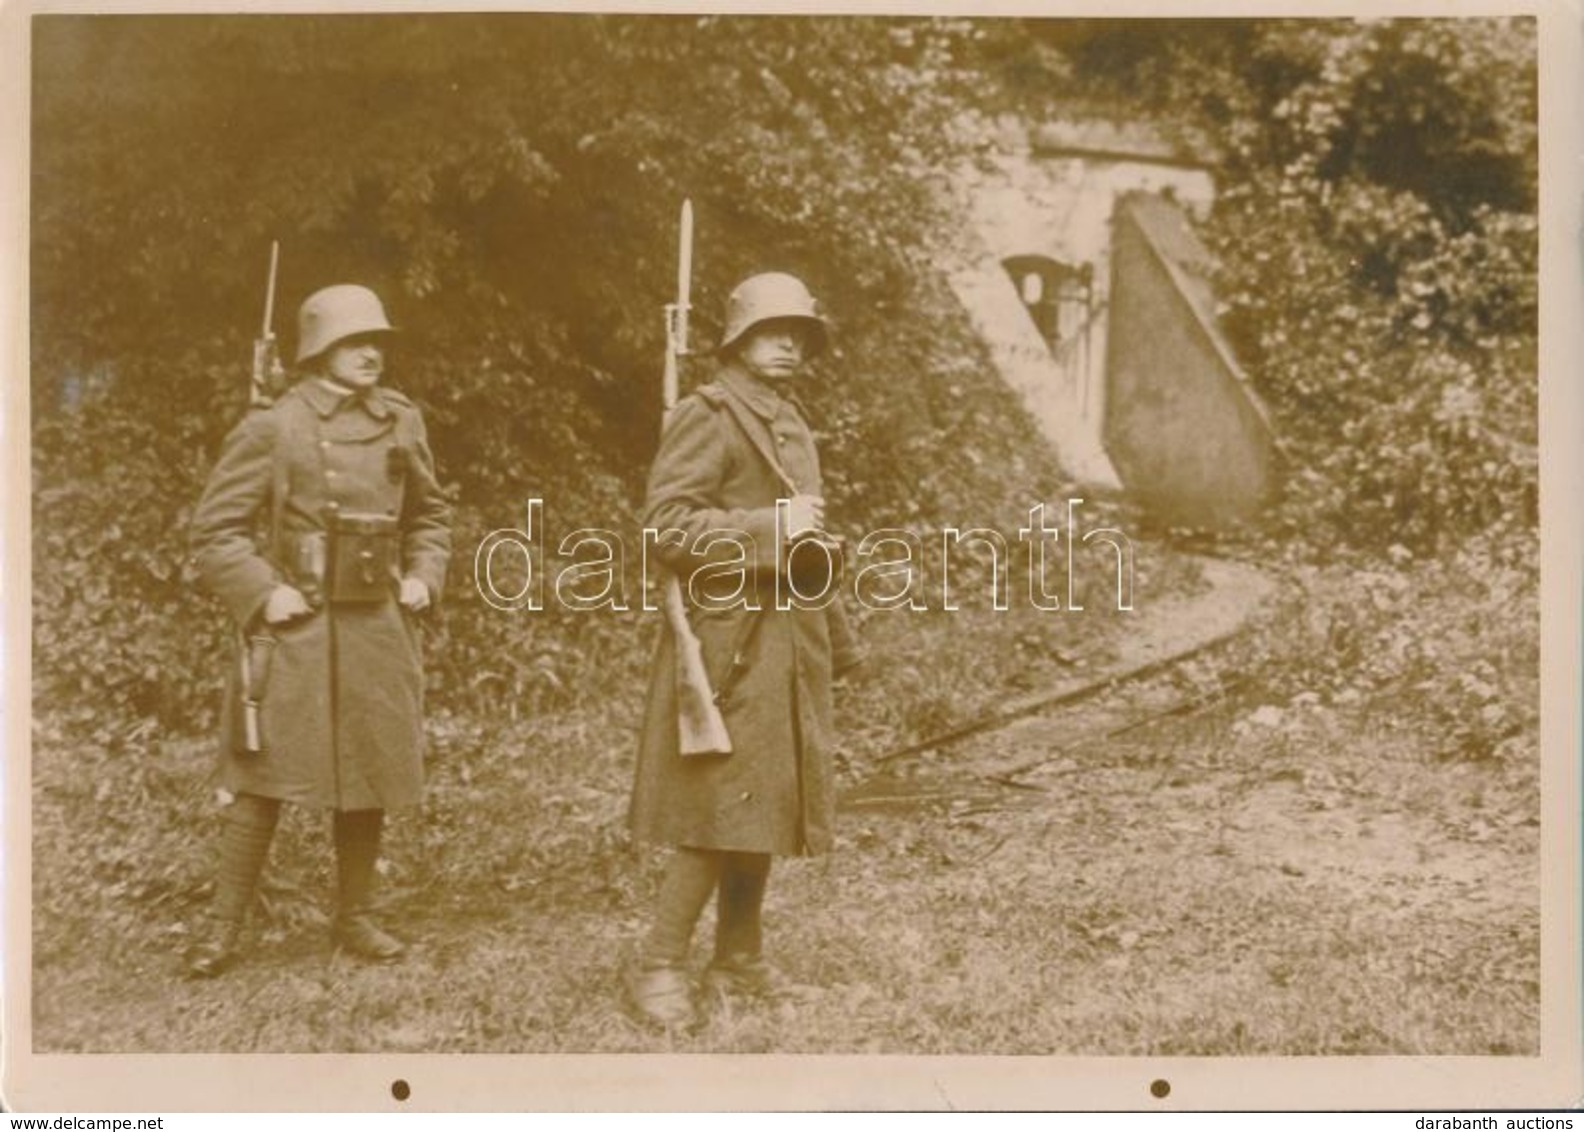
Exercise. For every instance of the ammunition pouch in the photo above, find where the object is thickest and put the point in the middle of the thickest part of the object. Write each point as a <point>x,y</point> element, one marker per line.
<point>356,560</point>
<point>365,558</point>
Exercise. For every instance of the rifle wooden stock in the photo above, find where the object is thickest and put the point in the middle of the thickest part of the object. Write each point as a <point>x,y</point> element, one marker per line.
<point>701,729</point>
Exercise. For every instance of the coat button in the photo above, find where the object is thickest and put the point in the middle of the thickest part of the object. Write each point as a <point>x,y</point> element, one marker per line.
<point>324,444</point>
<point>333,505</point>
<point>330,473</point>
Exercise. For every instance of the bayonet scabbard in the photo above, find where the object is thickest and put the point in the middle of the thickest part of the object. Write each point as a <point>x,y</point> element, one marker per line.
<point>258,650</point>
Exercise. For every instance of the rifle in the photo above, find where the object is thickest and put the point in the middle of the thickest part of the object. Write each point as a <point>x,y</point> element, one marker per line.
<point>701,729</point>
<point>268,374</point>
<point>253,652</point>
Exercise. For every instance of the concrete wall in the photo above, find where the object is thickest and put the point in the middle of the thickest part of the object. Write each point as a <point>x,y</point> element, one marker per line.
<point>1185,433</point>
<point>1059,206</point>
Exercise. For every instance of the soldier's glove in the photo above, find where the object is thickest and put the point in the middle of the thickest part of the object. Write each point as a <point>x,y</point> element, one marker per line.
<point>414,594</point>
<point>285,603</point>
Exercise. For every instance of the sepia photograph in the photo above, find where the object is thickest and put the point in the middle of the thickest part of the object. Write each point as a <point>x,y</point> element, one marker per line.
<point>976,544</point>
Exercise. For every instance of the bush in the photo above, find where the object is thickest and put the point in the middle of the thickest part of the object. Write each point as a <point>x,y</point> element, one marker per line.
<point>469,193</point>
<point>1447,647</point>
<point>1385,312</point>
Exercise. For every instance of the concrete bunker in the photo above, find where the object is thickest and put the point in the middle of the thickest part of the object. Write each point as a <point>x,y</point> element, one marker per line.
<point>1089,286</point>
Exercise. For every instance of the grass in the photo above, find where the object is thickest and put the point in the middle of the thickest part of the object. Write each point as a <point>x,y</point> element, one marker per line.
<point>1332,885</point>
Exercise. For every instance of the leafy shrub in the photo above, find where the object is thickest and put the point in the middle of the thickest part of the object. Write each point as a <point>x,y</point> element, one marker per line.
<point>1446,646</point>
<point>1385,309</point>
<point>119,637</point>
<point>469,193</point>
<point>1376,231</point>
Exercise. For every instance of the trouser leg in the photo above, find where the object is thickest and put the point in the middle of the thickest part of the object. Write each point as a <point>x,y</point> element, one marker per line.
<point>738,930</point>
<point>357,845</point>
<point>738,969</point>
<point>691,876</point>
<point>357,842</point>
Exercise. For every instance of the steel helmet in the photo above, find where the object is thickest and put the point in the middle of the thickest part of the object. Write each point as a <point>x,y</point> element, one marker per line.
<point>334,313</point>
<point>774,294</point>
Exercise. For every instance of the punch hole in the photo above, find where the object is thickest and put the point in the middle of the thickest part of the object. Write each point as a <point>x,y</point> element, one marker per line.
<point>1160,1088</point>
<point>400,1089</point>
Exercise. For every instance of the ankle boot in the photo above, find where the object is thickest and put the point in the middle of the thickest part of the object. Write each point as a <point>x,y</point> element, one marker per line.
<point>357,839</point>
<point>215,950</point>
<point>358,934</point>
<point>659,994</point>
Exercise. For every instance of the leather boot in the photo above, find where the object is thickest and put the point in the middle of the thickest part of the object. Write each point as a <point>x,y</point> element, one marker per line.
<point>730,978</point>
<point>357,839</point>
<point>216,949</point>
<point>738,976</point>
<point>659,994</point>
<point>358,934</point>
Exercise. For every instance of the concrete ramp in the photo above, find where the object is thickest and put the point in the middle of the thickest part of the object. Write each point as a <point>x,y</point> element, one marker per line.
<point>1025,363</point>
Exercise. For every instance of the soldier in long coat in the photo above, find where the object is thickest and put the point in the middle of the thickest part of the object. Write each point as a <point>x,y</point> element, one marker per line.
<point>325,533</point>
<point>727,454</point>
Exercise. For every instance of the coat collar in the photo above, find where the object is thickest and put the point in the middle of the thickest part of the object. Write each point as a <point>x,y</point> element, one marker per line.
<point>327,399</point>
<point>763,399</point>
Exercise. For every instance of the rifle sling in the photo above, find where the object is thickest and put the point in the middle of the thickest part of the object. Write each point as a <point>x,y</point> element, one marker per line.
<point>740,416</point>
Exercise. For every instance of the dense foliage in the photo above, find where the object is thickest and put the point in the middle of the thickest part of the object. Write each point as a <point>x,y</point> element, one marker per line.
<point>1378,243</point>
<point>510,183</point>
<point>1377,232</point>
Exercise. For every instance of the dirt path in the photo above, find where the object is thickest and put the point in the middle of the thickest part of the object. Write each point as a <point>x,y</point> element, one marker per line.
<point>1156,637</point>
<point>1349,822</point>
<point>1213,877</point>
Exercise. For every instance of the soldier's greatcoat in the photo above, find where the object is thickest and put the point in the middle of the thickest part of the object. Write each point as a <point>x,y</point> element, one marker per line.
<point>341,717</point>
<point>773,794</point>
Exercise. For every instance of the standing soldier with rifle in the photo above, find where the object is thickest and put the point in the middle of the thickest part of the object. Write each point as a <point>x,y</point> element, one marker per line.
<point>325,533</point>
<point>728,453</point>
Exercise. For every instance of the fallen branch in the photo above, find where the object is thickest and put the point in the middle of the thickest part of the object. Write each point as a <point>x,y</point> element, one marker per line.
<point>1175,711</point>
<point>1040,701</point>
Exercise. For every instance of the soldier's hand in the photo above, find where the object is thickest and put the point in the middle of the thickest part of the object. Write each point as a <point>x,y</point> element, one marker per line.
<point>805,513</point>
<point>414,594</point>
<point>286,603</point>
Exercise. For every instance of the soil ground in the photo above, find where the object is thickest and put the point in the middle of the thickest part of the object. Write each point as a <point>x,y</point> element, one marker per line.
<point>1144,869</point>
